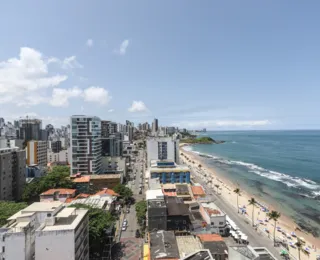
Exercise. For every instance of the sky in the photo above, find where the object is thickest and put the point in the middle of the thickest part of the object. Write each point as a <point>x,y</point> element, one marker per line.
<point>223,65</point>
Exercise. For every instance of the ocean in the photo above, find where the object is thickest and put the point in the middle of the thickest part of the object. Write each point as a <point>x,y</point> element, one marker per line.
<point>280,167</point>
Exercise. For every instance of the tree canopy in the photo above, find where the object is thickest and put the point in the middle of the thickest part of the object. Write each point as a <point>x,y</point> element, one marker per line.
<point>124,192</point>
<point>57,178</point>
<point>141,210</point>
<point>8,208</point>
<point>99,222</point>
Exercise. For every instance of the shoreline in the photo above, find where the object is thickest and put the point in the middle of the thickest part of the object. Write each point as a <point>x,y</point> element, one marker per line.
<point>226,190</point>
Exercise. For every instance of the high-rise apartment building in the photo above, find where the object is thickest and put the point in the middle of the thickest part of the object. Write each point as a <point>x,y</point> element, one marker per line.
<point>85,145</point>
<point>155,126</point>
<point>12,173</point>
<point>46,230</point>
<point>30,129</point>
<point>163,148</point>
<point>37,153</point>
<point>56,146</point>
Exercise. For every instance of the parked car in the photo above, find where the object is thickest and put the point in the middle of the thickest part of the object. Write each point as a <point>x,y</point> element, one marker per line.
<point>137,233</point>
<point>124,228</point>
<point>128,211</point>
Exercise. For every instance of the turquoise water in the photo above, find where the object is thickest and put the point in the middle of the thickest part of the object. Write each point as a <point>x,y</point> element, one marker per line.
<point>281,167</point>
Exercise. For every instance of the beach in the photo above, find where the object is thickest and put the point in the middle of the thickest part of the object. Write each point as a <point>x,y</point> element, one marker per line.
<point>225,190</point>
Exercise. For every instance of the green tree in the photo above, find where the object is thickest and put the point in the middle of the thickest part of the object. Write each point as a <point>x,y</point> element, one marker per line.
<point>299,244</point>
<point>252,202</point>
<point>57,178</point>
<point>237,191</point>
<point>124,192</point>
<point>141,210</point>
<point>274,215</point>
<point>99,222</point>
<point>8,208</point>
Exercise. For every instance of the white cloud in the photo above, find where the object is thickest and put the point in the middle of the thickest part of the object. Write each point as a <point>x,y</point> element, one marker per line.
<point>97,95</point>
<point>25,76</point>
<point>60,96</point>
<point>122,48</point>
<point>138,106</point>
<point>71,63</point>
<point>223,123</point>
<point>89,43</point>
<point>110,110</point>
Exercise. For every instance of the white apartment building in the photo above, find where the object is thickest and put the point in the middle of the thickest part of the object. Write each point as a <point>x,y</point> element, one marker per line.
<point>62,156</point>
<point>214,217</point>
<point>37,153</point>
<point>162,148</point>
<point>46,230</point>
<point>85,145</point>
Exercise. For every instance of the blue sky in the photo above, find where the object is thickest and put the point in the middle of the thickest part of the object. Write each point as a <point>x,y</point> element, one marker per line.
<point>194,64</point>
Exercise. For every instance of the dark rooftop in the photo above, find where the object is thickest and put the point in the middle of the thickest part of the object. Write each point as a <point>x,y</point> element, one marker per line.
<point>182,189</point>
<point>216,247</point>
<point>176,207</point>
<point>163,244</point>
<point>156,203</point>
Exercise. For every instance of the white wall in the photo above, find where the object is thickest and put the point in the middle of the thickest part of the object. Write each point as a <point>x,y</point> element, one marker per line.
<point>152,148</point>
<point>55,245</point>
<point>14,246</point>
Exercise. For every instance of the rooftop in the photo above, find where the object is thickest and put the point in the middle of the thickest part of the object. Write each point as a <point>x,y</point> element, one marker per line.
<point>188,245</point>
<point>197,191</point>
<point>105,176</point>
<point>154,194</point>
<point>157,203</point>
<point>95,201</point>
<point>176,207</point>
<point>212,209</point>
<point>82,179</point>
<point>163,244</point>
<point>107,191</point>
<point>60,191</point>
<point>216,247</point>
<point>210,237</point>
<point>203,254</point>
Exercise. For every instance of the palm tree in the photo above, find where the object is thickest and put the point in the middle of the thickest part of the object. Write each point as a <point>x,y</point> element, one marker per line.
<point>237,191</point>
<point>274,215</point>
<point>252,202</point>
<point>299,246</point>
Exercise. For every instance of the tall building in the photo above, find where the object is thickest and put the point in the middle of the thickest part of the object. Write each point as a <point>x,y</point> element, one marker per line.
<point>107,128</point>
<point>85,145</point>
<point>112,145</point>
<point>46,230</point>
<point>162,148</point>
<point>37,153</point>
<point>12,173</point>
<point>155,125</point>
<point>56,146</point>
<point>30,129</point>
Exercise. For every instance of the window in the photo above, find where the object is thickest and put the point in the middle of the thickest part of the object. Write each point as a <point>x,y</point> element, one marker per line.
<point>3,249</point>
<point>212,223</point>
<point>220,223</point>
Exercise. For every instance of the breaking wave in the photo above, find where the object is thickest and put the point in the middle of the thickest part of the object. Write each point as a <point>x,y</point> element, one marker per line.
<point>311,187</point>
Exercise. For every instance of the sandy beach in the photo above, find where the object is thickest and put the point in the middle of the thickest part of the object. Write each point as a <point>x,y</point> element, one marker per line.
<point>285,224</point>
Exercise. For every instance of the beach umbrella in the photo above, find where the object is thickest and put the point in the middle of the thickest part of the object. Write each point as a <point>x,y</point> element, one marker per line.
<point>283,252</point>
<point>293,234</point>
<point>292,245</point>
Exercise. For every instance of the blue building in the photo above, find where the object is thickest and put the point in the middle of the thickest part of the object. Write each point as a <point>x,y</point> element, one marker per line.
<point>169,172</point>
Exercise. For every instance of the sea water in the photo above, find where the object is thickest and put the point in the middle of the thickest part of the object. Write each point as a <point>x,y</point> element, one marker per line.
<point>281,167</point>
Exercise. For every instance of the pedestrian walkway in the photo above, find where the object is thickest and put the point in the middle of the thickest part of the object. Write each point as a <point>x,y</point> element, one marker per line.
<point>131,248</point>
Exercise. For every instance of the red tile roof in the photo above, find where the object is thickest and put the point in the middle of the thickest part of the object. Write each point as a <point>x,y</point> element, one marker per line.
<point>82,179</point>
<point>197,191</point>
<point>68,200</point>
<point>213,211</point>
<point>61,191</point>
<point>82,195</point>
<point>210,237</point>
<point>108,192</point>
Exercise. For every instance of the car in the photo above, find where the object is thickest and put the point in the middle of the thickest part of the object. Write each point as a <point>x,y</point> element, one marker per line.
<point>124,228</point>
<point>128,211</point>
<point>137,233</point>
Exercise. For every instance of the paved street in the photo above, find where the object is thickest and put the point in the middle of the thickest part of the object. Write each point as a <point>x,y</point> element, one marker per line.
<point>255,238</point>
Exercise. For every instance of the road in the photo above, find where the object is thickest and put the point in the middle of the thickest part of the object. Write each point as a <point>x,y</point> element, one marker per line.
<point>136,180</point>
<point>255,238</point>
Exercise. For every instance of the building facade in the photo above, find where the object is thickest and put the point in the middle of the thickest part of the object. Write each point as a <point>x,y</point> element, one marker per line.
<point>30,129</point>
<point>163,148</point>
<point>169,172</point>
<point>56,146</point>
<point>62,156</point>
<point>37,153</point>
<point>12,173</point>
<point>46,230</point>
<point>85,145</point>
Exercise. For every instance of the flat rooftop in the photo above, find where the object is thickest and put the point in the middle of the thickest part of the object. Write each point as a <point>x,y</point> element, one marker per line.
<point>212,209</point>
<point>188,245</point>
<point>203,254</point>
<point>105,176</point>
<point>163,244</point>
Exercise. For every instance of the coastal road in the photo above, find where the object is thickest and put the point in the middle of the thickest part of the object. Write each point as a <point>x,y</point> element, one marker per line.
<point>255,238</point>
